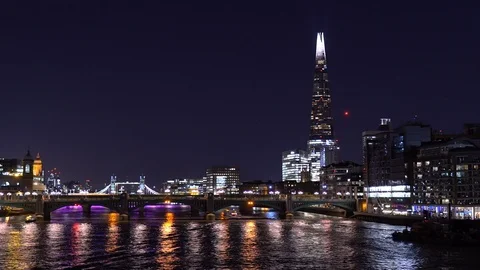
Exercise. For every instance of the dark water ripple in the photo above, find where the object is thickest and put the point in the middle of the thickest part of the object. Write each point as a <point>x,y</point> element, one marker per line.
<point>310,242</point>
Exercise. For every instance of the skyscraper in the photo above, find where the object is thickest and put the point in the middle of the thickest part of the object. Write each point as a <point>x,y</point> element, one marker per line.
<point>322,147</point>
<point>294,162</point>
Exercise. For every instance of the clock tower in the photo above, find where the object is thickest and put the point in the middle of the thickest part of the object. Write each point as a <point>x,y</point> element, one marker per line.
<point>28,165</point>
<point>27,178</point>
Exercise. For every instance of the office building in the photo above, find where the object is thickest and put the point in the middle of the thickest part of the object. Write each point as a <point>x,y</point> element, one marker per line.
<point>183,187</point>
<point>223,180</point>
<point>260,188</point>
<point>322,146</point>
<point>447,175</point>
<point>342,181</point>
<point>295,164</point>
<point>88,186</point>
<point>388,156</point>
<point>53,181</point>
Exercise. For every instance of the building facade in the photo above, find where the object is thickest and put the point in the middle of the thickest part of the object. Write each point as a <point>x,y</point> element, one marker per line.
<point>184,187</point>
<point>342,181</point>
<point>322,146</point>
<point>294,165</point>
<point>260,188</point>
<point>223,180</point>
<point>54,183</point>
<point>388,157</point>
<point>447,178</point>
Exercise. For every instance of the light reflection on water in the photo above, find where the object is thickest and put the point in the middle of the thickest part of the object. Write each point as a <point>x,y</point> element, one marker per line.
<point>113,234</point>
<point>314,242</point>
<point>167,244</point>
<point>222,242</point>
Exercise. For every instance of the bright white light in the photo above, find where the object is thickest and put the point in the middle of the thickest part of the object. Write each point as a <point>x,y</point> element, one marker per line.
<point>316,193</point>
<point>1,193</point>
<point>27,193</point>
<point>34,193</point>
<point>300,192</point>
<point>9,194</point>
<point>320,50</point>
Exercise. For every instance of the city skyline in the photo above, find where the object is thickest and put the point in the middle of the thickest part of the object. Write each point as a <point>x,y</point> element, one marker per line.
<point>166,96</point>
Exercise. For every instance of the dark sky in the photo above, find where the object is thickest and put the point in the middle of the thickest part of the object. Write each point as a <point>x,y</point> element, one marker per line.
<point>171,89</point>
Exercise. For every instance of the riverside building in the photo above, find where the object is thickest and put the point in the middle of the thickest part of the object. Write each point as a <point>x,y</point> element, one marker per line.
<point>447,177</point>
<point>388,157</point>
<point>223,180</point>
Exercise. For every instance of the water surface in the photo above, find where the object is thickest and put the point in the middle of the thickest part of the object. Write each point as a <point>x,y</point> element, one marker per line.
<point>308,242</point>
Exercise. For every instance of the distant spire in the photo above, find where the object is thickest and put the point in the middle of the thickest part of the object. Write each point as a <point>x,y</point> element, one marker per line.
<point>320,53</point>
<point>38,156</point>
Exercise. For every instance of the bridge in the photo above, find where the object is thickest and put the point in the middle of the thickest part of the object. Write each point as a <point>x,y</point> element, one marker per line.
<point>116,187</point>
<point>125,204</point>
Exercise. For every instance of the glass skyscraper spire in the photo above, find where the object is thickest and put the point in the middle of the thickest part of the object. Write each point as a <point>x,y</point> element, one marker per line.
<point>322,147</point>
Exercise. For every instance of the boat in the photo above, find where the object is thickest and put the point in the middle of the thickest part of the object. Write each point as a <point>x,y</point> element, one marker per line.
<point>428,232</point>
<point>29,219</point>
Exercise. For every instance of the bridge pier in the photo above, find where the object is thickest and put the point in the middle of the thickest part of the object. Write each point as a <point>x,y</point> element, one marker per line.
<point>141,211</point>
<point>124,214</point>
<point>39,207</point>
<point>124,217</point>
<point>289,207</point>
<point>194,212</point>
<point>210,207</point>
<point>46,214</point>
<point>87,209</point>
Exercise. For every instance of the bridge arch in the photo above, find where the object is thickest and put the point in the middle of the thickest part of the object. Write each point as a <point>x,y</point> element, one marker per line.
<point>222,204</point>
<point>54,206</point>
<point>347,206</point>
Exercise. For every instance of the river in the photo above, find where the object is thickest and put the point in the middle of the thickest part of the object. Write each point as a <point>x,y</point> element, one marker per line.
<point>310,241</point>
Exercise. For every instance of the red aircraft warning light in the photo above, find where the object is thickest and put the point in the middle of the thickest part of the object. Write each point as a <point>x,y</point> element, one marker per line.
<point>346,113</point>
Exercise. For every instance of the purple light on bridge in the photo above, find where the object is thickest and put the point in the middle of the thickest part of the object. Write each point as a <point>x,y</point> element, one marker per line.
<point>166,206</point>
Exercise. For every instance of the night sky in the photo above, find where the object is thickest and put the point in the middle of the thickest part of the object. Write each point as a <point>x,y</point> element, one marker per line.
<point>170,89</point>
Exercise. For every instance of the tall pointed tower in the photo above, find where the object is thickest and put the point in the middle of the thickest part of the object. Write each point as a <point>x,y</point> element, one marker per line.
<point>323,149</point>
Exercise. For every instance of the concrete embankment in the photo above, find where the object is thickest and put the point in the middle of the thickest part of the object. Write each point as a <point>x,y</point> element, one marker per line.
<point>387,219</point>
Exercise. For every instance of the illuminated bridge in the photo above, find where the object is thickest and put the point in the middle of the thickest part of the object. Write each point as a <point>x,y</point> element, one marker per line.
<point>125,204</point>
<point>116,187</point>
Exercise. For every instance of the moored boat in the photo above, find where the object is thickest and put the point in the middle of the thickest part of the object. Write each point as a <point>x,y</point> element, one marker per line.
<point>29,219</point>
<point>428,232</point>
